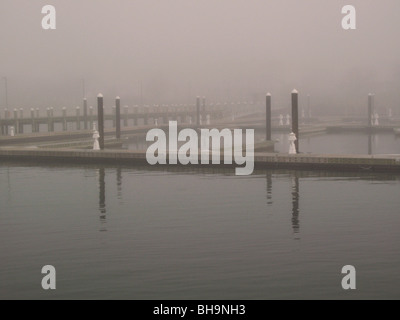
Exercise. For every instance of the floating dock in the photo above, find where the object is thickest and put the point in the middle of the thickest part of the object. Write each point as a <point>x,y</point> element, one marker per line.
<point>373,163</point>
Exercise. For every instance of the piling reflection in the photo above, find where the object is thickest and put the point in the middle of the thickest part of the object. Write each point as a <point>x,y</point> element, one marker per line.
<point>269,188</point>
<point>119,183</point>
<point>102,198</point>
<point>295,205</point>
<point>295,192</point>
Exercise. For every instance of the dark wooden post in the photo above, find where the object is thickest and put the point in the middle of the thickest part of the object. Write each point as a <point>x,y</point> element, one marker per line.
<point>100,120</point>
<point>37,121</point>
<point>85,114</point>
<point>370,107</point>
<point>268,125</point>
<point>118,117</point>
<point>33,119</point>
<point>64,116</point>
<point>48,120</point>
<point>16,122</point>
<point>198,111</point>
<point>52,119</point>
<point>21,117</point>
<point>78,118</point>
<point>295,117</point>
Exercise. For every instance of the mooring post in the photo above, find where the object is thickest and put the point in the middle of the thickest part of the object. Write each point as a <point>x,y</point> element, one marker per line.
<point>37,121</point>
<point>21,116</point>
<point>85,114</point>
<point>100,120</point>
<point>16,122</point>
<point>370,108</point>
<point>135,115</point>
<point>52,119</point>
<point>48,119</point>
<point>64,116</point>
<point>78,118</point>
<point>33,119</point>
<point>118,117</point>
<point>268,117</point>
<point>198,111</point>
<point>295,117</point>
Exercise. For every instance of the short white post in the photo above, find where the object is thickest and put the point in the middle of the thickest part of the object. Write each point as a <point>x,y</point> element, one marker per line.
<point>96,136</point>
<point>292,146</point>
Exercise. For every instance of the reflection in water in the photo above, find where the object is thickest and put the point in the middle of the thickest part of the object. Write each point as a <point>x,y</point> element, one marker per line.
<point>119,183</point>
<point>102,198</point>
<point>269,187</point>
<point>295,200</point>
<point>295,205</point>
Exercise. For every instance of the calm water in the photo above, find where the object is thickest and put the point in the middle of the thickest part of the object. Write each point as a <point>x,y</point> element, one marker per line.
<point>343,143</point>
<point>138,233</point>
<point>338,143</point>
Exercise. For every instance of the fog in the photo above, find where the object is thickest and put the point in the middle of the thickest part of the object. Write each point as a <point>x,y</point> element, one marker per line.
<point>170,51</point>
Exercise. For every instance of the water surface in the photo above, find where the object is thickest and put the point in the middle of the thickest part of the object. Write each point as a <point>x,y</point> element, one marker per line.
<point>142,233</point>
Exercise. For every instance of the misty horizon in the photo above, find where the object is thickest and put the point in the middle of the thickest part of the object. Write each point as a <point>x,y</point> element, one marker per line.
<point>169,52</point>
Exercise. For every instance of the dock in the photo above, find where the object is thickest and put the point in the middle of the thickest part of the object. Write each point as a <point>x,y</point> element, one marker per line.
<point>372,163</point>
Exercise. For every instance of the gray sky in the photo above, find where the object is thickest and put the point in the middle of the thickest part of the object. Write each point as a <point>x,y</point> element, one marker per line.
<point>223,49</point>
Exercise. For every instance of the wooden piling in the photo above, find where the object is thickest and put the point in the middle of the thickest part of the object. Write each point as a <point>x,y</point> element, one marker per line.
<point>198,111</point>
<point>295,118</point>
<point>370,109</point>
<point>78,118</point>
<point>85,114</point>
<point>118,117</point>
<point>268,125</point>
<point>100,120</point>
<point>33,119</point>
<point>64,115</point>
<point>21,117</point>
